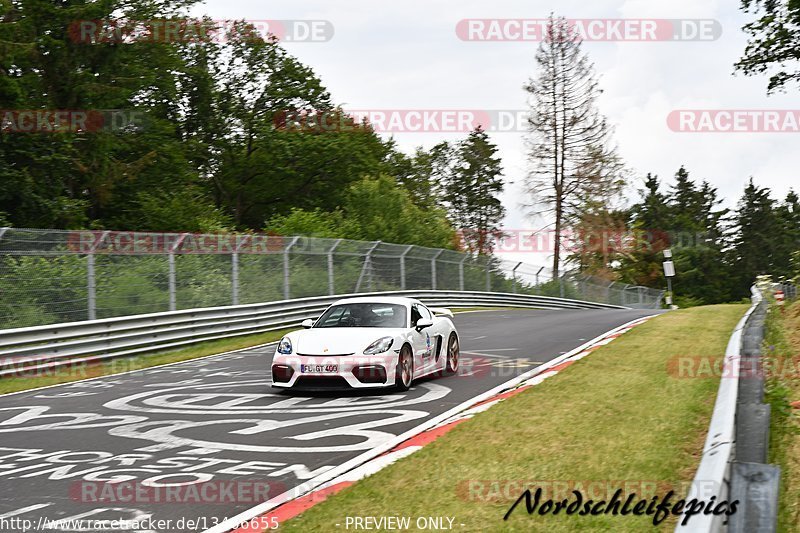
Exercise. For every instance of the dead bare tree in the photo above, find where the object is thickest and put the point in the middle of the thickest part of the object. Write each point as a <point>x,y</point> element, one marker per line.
<point>570,151</point>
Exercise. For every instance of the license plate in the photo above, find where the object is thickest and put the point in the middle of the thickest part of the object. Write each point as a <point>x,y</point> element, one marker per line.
<point>319,369</point>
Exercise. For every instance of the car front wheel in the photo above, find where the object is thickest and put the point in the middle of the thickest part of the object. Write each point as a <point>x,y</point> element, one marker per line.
<point>405,369</point>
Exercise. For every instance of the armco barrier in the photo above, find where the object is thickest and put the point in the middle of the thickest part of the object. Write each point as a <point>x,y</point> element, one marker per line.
<point>51,346</point>
<point>719,448</point>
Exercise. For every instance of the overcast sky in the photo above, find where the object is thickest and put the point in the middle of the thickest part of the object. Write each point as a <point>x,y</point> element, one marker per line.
<point>407,55</point>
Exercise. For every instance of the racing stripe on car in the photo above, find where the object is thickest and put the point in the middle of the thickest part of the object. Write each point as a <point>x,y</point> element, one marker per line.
<point>301,504</point>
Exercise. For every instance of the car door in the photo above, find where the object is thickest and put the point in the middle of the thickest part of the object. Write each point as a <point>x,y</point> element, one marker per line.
<point>438,339</point>
<point>423,341</point>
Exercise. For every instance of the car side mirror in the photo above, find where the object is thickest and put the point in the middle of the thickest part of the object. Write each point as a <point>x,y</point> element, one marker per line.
<point>423,323</point>
<point>307,323</point>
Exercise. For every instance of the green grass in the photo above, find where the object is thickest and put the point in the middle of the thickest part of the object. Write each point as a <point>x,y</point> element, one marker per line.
<point>781,345</point>
<point>618,416</point>
<point>125,364</point>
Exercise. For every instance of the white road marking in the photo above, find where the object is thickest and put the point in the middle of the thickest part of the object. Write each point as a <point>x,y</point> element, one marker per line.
<point>24,510</point>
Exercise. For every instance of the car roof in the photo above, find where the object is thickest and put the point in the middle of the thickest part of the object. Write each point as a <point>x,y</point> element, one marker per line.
<point>398,300</point>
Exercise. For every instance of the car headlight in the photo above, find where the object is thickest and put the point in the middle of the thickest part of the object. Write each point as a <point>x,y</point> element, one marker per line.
<point>285,346</point>
<point>379,346</point>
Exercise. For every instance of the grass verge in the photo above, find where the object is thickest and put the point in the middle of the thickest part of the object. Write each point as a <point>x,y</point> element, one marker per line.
<point>781,347</point>
<point>619,417</point>
<point>42,378</point>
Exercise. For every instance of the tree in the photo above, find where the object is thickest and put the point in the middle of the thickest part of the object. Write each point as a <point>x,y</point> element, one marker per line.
<point>787,241</point>
<point>471,189</point>
<point>649,220</point>
<point>596,221</point>
<point>756,226</point>
<point>687,220</point>
<point>68,179</point>
<point>774,41</point>
<point>372,209</point>
<point>423,174</point>
<point>570,143</point>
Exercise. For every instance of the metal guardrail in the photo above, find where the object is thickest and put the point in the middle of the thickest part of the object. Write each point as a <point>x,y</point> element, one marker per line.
<point>714,473</point>
<point>52,346</point>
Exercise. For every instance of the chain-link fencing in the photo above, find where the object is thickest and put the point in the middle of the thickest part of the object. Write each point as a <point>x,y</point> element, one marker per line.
<point>53,276</point>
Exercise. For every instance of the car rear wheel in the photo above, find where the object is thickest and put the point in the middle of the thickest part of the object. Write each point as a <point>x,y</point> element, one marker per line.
<point>453,354</point>
<point>405,369</point>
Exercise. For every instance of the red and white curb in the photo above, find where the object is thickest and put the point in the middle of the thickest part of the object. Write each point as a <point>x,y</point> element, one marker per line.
<point>303,497</point>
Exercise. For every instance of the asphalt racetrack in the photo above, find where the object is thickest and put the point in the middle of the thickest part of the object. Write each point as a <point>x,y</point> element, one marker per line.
<point>142,445</point>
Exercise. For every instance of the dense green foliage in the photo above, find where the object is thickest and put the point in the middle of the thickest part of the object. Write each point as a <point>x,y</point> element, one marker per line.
<point>210,150</point>
<point>717,252</point>
<point>774,45</point>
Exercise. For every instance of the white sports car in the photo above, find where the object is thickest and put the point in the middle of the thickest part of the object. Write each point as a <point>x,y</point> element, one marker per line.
<point>367,342</point>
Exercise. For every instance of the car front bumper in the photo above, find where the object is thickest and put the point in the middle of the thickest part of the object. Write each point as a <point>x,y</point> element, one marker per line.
<point>353,372</point>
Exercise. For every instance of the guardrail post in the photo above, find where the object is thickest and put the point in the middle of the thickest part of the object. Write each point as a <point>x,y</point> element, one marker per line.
<point>433,269</point>
<point>403,267</point>
<point>331,283</point>
<point>514,277</point>
<point>461,273</point>
<point>286,268</point>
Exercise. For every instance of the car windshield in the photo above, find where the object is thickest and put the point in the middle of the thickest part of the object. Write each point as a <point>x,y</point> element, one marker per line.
<point>363,315</point>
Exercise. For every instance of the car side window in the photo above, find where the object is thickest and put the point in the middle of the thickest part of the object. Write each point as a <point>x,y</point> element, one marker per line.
<point>415,315</point>
<point>425,312</point>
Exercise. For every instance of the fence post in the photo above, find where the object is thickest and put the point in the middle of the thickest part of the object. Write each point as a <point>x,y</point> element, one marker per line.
<point>173,299</point>
<point>331,284</point>
<point>537,275</point>
<point>367,265</point>
<point>561,285</point>
<point>488,275</point>
<point>91,288</point>
<point>286,268</point>
<point>403,267</point>
<point>235,270</point>
<point>514,276</point>
<point>461,273</point>
<point>91,281</point>
<point>433,269</point>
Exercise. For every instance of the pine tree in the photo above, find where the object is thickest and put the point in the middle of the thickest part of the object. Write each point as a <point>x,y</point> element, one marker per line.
<point>472,184</point>
<point>756,226</point>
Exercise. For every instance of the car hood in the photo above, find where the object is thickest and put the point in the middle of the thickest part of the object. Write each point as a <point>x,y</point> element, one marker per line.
<point>339,341</point>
